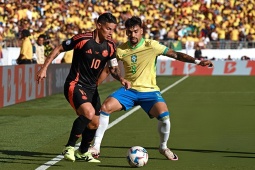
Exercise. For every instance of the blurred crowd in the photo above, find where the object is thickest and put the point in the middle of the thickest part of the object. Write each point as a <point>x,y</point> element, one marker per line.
<point>199,21</point>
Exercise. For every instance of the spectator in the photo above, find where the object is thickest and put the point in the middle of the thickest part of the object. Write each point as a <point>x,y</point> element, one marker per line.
<point>189,45</point>
<point>39,49</point>
<point>26,51</point>
<point>214,38</point>
<point>198,53</point>
<point>229,58</point>
<point>234,36</point>
<point>222,36</point>
<point>245,57</point>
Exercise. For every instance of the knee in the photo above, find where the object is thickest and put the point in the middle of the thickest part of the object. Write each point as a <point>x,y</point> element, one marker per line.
<point>106,108</point>
<point>88,114</point>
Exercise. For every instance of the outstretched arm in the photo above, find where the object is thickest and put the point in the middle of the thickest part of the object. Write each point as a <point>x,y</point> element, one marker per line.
<point>187,58</point>
<point>41,74</point>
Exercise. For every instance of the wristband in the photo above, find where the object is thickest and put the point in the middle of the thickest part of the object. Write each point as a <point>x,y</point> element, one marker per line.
<point>197,62</point>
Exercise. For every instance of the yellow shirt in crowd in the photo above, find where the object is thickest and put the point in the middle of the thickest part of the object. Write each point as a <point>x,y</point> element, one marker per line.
<point>26,49</point>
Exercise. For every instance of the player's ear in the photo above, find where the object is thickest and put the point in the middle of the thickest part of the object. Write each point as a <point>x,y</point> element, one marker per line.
<point>99,25</point>
<point>141,31</point>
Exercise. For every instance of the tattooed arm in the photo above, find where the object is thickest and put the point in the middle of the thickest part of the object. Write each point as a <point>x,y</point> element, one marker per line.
<point>115,72</point>
<point>187,58</point>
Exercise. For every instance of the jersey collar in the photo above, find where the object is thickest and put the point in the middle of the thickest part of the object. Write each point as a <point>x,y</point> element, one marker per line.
<point>138,45</point>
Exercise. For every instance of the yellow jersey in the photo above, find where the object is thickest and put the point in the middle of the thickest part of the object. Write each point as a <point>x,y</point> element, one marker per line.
<point>26,49</point>
<point>140,63</point>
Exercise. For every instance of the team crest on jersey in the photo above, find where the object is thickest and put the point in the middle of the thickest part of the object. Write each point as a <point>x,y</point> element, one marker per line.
<point>133,63</point>
<point>68,42</point>
<point>133,58</point>
<point>105,53</point>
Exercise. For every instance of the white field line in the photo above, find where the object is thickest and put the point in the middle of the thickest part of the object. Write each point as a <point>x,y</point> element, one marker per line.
<point>58,158</point>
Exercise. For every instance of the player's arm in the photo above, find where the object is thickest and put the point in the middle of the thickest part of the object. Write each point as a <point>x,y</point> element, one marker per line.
<point>41,74</point>
<point>187,58</point>
<point>115,72</point>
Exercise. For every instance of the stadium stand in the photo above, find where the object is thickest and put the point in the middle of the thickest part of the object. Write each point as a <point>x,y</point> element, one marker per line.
<point>211,24</point>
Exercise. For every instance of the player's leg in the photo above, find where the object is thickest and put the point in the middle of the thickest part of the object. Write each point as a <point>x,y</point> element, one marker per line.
<point>89,132</point>
<point>154,104</point>
<point>78,127</point>
<point>120,99</point>
<point>109,106</point>
<point>87,137</point>
<point>160,111</point>
<point>80,100</point>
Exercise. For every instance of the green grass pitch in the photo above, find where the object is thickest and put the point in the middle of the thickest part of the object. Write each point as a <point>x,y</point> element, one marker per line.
<point>212,128</point>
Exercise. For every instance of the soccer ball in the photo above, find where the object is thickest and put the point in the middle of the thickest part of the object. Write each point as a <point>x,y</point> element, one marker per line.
<point>137,156</point>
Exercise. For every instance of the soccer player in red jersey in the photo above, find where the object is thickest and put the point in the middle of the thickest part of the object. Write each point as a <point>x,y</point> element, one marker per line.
<point>92,51</point>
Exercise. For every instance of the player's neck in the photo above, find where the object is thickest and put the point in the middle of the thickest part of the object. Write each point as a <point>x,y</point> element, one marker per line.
<point>97,38</point>
<point>138,44</point>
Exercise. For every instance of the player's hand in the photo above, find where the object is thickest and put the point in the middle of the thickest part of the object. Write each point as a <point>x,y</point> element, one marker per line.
<point>126,83</point>
<point>206,63</point>
<point>41,74</point>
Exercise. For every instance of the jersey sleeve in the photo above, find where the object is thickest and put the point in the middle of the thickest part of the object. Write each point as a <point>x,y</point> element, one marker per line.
<point>120,51</point>
<point>112,50</point>
<point>112,61</point>
<point>70,44</point>
<point>159,48</point>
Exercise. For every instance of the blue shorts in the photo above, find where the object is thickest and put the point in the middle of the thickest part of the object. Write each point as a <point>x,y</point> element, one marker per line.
<point>129,98</point>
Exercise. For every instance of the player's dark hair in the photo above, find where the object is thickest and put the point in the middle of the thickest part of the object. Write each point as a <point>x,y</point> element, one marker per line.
<point>133,21</point>
<point>107,17</point>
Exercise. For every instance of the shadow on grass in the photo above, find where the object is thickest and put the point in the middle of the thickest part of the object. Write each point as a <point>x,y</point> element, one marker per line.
<point>113,166</point>
<point>24,157</point>
<point>25,153</point>
<point>186,150</point>
<point>252,157</point>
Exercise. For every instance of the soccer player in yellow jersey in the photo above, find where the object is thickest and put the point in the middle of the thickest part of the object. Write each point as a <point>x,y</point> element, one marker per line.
<point>139,57</point>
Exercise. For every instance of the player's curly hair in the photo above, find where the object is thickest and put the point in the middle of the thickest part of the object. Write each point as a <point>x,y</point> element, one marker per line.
<point>133,21</point>
<point>107,17</point>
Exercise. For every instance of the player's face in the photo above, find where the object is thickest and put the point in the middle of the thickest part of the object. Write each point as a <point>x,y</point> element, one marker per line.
<point>106,30</point>
<point>134,34</point>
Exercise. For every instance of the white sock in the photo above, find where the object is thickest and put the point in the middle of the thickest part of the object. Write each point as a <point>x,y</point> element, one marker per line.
<point>103,124</point>
<point>164,132</point>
